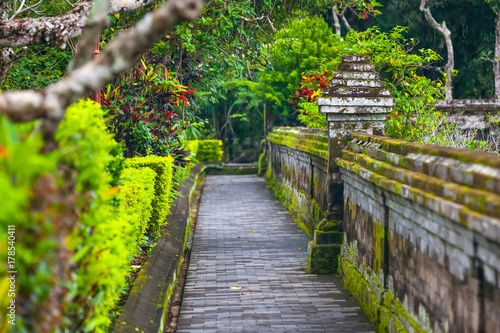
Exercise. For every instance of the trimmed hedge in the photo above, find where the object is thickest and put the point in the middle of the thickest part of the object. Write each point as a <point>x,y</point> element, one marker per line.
<point>163,166</point>
<point>103,240</point>
<point>206,150</point>
<point>75,234</point>
<point>137,195</point>
<point>192,147</point>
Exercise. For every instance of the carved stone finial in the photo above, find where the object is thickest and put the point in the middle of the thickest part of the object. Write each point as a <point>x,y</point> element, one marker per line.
<point>356,100</point>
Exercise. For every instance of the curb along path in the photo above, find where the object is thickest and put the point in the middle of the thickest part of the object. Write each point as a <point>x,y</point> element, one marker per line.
<point>246,272</point>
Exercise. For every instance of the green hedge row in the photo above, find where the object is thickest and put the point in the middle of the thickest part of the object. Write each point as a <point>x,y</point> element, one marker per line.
<point>163,167</point>
<point>137,195</point>
<point>75,234</point>
<point>206,150</point>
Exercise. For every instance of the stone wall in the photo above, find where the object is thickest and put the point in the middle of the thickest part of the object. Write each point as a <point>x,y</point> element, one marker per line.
<point>421,226</point>
<point>477,115</point>
<point>422,234</point>
<point>298,174</point>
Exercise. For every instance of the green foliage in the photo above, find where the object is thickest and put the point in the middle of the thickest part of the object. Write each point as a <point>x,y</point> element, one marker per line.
<point>306,44</point>
<point>143,110</point>
<point>472,25</point>
<point>73,243</point>
<point>40,67</point>
<point>414,116</point>
<point>21,166</point>
<point>310,115</point>
<point>105,239</point>
<point>208,150</point>
<point>86,145</point>
<point>414,119</point>
<point>137,195</point>
<point>192,148</point>
<point>163,166</point>
<point>75,235</point>
<point>103,249</point>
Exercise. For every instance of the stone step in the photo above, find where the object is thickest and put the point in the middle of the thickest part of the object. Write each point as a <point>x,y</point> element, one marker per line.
<point>322,259</point>
<point>356,67</point>
<point>357,83</point>
<point>356,75</point>
<point>356,59</point>
<point>357,92</point>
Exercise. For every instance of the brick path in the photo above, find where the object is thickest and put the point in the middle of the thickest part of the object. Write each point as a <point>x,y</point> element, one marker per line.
<point>246,239</point>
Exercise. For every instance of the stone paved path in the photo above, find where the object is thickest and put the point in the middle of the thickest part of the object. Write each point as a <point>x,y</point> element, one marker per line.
<point>246,239</point>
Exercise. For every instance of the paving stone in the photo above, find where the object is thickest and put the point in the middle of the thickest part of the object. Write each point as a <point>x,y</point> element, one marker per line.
<point>246,239</point>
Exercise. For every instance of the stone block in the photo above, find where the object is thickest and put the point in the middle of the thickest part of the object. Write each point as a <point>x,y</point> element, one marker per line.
<point>356,58</point>
<point>329,225</point>
<point>356,67</point>
<point>356,75</point>
<point>323,259</point>
<point>327,237</point>
<point>345,91</point>
<point>356,101</point>
<point>330,109</point>
<point>357,83</point>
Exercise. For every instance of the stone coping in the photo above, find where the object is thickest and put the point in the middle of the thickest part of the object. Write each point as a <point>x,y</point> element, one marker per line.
<point>441,179</point>
<point>468,105</point>
<point>311,140</point>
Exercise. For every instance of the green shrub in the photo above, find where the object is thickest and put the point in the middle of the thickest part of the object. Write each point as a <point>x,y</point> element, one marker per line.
<point>21,166</point>
<point>209,151</point>
<point>86,145</point>
<point>137,195</point>
<point>192,147</point>
<point>103,241</point>
<point>73,242</point>
<point>163,166</point>
<point>75,235</point>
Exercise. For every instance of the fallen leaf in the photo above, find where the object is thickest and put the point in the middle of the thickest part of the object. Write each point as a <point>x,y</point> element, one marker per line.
<point>299,248</point>
<point>235,288</point>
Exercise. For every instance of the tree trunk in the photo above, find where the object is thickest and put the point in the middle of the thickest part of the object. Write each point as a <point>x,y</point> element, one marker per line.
<point>336,21</point>
<point>7,57</point>
<point>496,59</point>
<point>443,29</point>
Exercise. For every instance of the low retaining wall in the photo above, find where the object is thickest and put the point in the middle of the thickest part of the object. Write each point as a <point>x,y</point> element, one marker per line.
<point>146,309</point>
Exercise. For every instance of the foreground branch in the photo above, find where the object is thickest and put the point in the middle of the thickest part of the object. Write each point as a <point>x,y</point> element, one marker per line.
<point>57,30</point>
<point>119,55</point>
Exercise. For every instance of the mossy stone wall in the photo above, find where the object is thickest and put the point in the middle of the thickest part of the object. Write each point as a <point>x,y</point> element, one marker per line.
<point>422,235</point>
<point>420,228</point>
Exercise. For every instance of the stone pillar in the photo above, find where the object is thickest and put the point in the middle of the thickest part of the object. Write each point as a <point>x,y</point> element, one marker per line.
<point>356,101</point>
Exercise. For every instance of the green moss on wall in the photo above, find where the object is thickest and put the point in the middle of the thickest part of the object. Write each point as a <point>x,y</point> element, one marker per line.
<point>382,308</point>
<point>305,211</point>
<point>312,141</point>
<point>323,259</point>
